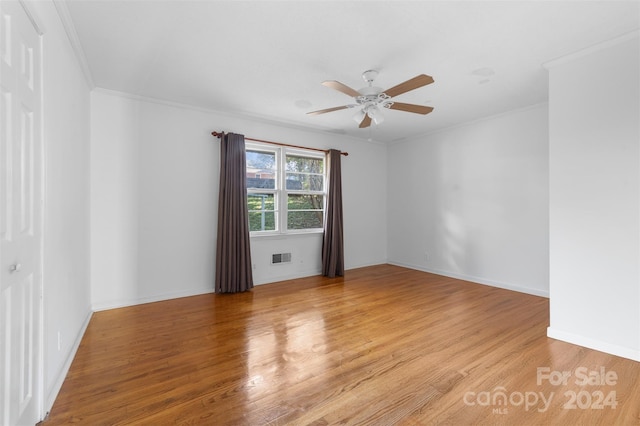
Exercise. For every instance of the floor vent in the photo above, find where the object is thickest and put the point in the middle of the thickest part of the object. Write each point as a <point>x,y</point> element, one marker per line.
<point>280,258</point>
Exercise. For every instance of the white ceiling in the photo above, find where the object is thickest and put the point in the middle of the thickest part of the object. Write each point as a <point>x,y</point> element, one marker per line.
<point>266,59</point>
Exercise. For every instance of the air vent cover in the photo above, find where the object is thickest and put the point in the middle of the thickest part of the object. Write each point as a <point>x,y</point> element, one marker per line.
<point>280,258</point>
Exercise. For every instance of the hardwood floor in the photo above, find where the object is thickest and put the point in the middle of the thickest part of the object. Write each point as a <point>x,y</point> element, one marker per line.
<point>385,345</point>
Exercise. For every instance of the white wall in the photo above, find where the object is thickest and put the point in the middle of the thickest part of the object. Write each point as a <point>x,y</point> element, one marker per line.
<point>595,199</point>
<point>114,200</point>
<point>155,171</point>
<point>67,307</point>
<point>472,201</point>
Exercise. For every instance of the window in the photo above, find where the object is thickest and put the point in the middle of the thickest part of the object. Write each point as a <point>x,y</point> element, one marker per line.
<point>285,189</point>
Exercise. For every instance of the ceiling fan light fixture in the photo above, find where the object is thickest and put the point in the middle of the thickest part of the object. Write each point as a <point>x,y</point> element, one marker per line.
<point>359,116</point>
<point>375,114</point>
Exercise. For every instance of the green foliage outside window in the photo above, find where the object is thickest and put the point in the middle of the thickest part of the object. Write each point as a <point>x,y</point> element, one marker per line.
<point>262,216</point>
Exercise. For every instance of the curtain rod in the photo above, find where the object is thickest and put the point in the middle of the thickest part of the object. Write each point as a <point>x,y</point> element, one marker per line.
<point>218,135</point>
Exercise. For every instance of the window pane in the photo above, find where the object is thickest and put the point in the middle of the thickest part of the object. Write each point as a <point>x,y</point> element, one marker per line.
<point>261,169</point>
<point>262,221</point>
<point>261,201</point>
<point>304,219</point>
<point>262,216</point>
<point>297,163</point>
<point>304,182</point>
<point>305,202</point>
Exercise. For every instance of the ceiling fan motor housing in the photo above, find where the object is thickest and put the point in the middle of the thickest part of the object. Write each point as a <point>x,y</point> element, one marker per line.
<point>372,96</point>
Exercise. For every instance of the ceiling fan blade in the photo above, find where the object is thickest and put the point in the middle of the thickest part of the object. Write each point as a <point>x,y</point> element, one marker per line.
<point>414,83</point>
<point>418,109</point>
<point>336,85</point>
<point>323,111</point>
<point>366,121</point>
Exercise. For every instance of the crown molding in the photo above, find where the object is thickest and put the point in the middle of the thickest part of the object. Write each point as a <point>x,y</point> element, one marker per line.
<point>470,123</point>
<point>591,49</point>
<point>238,115</point>
<point>74,40</point>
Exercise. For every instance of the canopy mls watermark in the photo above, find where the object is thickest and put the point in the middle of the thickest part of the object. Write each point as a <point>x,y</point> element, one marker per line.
<point>595,395</point>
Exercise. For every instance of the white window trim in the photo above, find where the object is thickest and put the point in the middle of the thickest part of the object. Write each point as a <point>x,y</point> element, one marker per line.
<point>281,192</point>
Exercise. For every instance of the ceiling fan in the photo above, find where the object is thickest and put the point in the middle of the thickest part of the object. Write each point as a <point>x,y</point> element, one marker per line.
<point>371,99</point>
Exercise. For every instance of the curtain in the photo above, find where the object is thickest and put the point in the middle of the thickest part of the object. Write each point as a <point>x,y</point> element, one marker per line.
<point>332,243</point>
<point>233,255</point>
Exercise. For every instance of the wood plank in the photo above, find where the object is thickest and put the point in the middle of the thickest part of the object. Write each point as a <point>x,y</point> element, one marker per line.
<point>383,345</point>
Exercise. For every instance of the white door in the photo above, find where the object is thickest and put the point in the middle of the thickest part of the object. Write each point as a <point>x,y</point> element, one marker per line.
<point>20,217</point>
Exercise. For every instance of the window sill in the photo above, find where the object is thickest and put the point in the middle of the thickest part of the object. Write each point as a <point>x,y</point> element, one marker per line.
<point>282,236</point>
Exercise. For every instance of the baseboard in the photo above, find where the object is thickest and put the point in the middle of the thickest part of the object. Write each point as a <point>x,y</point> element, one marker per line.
<point>598,345</point>
<point>365,265</point>
<point>123,303</point>
<point>52,393</point>
<point>310,273</point>
<point>286,277</point>
<point>477,280</point>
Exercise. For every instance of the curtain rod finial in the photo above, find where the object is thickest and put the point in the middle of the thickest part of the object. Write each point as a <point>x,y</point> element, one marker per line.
<point>217,134</point>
